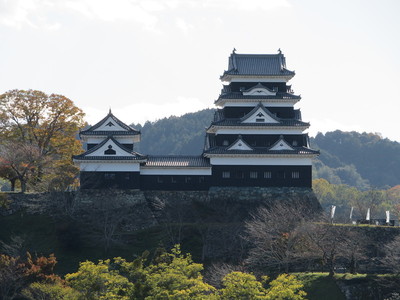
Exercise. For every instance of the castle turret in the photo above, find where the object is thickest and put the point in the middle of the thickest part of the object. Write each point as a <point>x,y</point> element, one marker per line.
<point>257,137</point>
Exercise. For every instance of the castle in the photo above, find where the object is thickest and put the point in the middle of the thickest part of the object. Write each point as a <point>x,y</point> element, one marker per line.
<point>257,139</point>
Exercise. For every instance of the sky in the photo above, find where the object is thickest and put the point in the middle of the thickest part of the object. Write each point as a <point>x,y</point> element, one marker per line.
<point>149,59</point>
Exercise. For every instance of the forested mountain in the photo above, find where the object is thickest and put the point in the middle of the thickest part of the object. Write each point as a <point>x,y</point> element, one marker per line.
<point>175,135</point>
<point>363,160</point>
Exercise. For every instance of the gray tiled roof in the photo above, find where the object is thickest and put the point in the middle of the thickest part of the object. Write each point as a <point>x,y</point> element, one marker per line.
<point>128,130</point>
<point>108,133</point>
<point>258,65</point>
<point>177,161</point>
<point>133,156</point>
<point>297,150</point>
<point>282,122</point>
<point>239,95</point>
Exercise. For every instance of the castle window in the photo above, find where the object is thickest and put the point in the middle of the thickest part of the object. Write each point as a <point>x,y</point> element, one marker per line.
<point>110,151</point>
<point>268,174</point>
<point>226,174</point>
<point>201,179</point>
<point>109,176</point>
<point>188,179</point>
<point>127,177</point>
<point>294,143</point>
<point>173,179</point>
<point>295,174</point>
<point>160,179</point>
<point>225,143</point>
<point>260,120</point>
<point>253,174</point>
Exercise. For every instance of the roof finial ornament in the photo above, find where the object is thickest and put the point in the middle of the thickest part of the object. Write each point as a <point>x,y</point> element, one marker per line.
<point>279,51</point>
<point>109,111</point>
<point>234,50</point>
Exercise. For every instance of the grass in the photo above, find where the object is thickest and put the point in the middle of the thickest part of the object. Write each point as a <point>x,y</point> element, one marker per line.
<point>320,286</point>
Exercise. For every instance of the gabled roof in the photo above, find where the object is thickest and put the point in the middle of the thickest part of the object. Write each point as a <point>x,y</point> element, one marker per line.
<point>175,161</point>
<point>263,113</point>
<point>260,151</point>
<point>280,145</point>
<point>220,120</point>
<point>239,144</point>
<point>259,88</point>
<point>124,153</point>
<point>110,125</point>
<point>257,65</point>
<point>239,95</point>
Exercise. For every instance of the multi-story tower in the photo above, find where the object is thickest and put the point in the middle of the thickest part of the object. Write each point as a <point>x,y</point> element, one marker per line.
<point>257,137</point>
<point>110,161</point>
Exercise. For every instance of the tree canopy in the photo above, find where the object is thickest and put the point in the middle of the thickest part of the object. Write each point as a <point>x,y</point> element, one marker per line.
<point>45,125</point>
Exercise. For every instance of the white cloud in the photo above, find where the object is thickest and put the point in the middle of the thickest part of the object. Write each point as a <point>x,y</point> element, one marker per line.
<point>15,13</point>
<point>183,25</point>
<point>245,5</point>
<point>36,13</point>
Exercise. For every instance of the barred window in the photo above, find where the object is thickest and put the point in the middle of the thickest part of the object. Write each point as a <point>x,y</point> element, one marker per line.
<point>253,174</point>
<point>226,174</point>
<point>268,174</point>
<point>295,174</point>
<point>160,179</point>
<point>188,179</point>
<point>173,179</point>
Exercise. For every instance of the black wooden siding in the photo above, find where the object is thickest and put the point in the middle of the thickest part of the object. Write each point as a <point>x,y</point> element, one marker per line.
<point>175,182</point>
<point>239,111</point>
<point>237,86</point>
<point>261,140</point>
<point>110,180</point>
<point>281,176</point>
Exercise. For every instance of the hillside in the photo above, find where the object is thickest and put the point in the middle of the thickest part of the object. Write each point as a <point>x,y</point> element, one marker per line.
<point>175,135</point>
<point>363,160</point>
<point>358,159</point>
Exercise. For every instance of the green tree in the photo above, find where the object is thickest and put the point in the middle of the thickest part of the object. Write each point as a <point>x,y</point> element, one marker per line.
<point>175,276</point>
<point>99,281</point>
<point>238,285</point>
<point>48,124</point>
<point>285,287</point>
<point>50,291</point>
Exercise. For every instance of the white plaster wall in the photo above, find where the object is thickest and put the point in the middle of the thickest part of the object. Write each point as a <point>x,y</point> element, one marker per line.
<point>261,161</point>
<point>118,150</point>
<point>109,166</point>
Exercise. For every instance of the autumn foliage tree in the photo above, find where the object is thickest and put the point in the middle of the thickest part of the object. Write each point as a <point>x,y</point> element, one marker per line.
<point>46,124</point>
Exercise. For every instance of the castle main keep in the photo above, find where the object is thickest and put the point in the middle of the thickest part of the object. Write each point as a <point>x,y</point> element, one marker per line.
<point>256,139</point>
